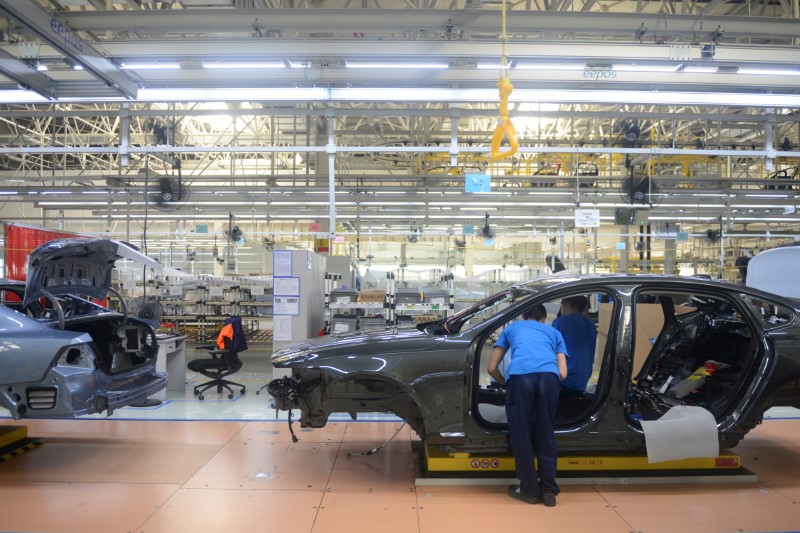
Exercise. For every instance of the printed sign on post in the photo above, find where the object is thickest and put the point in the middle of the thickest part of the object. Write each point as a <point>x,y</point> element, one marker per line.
<point>286,286</point>
<point>257,290</point>
<point>286,305</point>
<point>282,263</point>
<point>282,328</point>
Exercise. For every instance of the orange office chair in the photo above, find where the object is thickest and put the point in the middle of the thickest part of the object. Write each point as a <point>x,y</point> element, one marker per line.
<point>224,359</point>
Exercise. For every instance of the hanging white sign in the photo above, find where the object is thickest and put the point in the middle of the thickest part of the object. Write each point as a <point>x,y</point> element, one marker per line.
<point>587,218</point>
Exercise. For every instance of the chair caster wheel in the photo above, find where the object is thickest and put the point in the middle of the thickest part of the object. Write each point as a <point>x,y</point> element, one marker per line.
<point>244,390</point>
<point>200,397</point>
<point>196,393</point>
<point>258,392</point>
<point>230,396</point>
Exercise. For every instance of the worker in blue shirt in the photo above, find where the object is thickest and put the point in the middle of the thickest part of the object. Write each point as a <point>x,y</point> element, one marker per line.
<point>580,336</point>
<point>533,378</point>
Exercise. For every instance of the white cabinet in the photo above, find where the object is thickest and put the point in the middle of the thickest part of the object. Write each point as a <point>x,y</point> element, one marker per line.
<point>172,360</point>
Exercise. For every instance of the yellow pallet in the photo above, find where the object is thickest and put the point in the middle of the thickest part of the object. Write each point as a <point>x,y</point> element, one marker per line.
<point>12,434</point>
<point>439,461</point>
<point>14,441</point>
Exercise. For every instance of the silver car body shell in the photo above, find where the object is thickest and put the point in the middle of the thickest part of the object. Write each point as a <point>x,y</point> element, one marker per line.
<point>47,372</point>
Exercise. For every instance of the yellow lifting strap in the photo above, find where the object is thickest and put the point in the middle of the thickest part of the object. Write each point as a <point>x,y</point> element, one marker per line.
<point>504,128</point>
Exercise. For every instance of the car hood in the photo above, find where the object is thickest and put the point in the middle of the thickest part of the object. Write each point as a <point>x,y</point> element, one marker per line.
<point>77,266</point>
<point>317,348</point>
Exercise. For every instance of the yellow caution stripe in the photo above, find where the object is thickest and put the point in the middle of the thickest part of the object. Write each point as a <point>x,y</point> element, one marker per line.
<point>18,449</point>
<point>439,461</point>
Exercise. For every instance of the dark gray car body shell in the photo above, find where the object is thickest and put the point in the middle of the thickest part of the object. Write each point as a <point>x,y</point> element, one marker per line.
<point>432,376</point>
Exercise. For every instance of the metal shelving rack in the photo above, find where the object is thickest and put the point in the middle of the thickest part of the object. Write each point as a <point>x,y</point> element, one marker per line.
<point>332,281</point>
<point>442,308</point>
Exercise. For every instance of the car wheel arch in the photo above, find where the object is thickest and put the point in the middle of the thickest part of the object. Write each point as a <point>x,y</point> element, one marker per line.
<point>412,411</point>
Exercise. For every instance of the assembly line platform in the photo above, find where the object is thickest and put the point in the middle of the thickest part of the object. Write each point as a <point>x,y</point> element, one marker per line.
<point>435,466</point>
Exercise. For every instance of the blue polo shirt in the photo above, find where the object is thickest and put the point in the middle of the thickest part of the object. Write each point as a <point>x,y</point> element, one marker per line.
<point>580,336</point>
<point>534,347</point>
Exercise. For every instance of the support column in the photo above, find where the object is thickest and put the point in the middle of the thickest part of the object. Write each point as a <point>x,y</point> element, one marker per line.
<point>454,115</point>
<point>769,128</point>
<point>124,134</point>
<point>331,151</point>
<point>469,261</point>
<point>622,266</point>
<point>669,256</point>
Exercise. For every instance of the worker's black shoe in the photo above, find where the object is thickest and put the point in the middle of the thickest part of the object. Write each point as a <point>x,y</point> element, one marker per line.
<point>515,492</point>
<point>549,498</point>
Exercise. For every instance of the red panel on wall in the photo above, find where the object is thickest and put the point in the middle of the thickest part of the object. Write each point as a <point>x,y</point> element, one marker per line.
<point>20,241</point>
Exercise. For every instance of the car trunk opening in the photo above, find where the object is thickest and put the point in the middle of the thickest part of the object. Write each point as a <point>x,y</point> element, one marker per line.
<point>119,347</point>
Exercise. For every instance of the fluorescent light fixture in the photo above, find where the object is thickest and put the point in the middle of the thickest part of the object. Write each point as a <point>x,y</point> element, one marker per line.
<point>765,219</point>
<point>73,204</point>
<point>359,64</point>
<point>699,70</point>
<point>768,72</point>
<point>490,66</point>
<point>645,68</point>
<point>246,65</point>
<point>414,94</point>
<point>77,67</point>
<point>92,99</point>
<point>418,94</point>
<point>41,67</point>
<point>150,66</point>
<point>549,66</point>
<point>8,193</point>
<point>198,95</point>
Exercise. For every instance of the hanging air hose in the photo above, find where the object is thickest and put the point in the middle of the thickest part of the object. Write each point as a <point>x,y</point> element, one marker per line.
<point>504,128</point>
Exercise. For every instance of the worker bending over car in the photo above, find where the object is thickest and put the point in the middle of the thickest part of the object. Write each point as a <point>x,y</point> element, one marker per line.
<point>533,380</point>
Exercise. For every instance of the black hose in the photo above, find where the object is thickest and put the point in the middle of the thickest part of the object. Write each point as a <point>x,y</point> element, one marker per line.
<point>291,430</point>
<point>379,448</point>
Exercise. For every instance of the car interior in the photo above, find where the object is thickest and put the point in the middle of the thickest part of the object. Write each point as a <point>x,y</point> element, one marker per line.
<point>489,397</point>
<point>690,349</point>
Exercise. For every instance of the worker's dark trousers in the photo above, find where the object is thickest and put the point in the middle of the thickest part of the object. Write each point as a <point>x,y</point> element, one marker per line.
<point>531,405</point>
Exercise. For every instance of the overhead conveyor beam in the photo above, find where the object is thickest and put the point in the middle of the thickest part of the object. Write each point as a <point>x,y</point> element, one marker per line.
<point>421,51</point>
<point>395,21</point>
<point>25,75</point>
<point>66,41</point>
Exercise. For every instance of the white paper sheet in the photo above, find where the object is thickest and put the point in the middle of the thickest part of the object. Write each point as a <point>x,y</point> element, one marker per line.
<point>282,328</point>
<point>683,432</point>
<point>286,287</point>
<point>282,263</point>
<point>286,305</point>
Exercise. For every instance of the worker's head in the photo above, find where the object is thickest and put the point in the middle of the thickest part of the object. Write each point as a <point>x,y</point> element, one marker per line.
<point>537,313</point>
<point>573,304</point>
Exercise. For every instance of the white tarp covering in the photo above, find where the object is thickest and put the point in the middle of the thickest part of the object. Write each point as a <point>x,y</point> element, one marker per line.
<point>683,432</point>
<point>775,271</point>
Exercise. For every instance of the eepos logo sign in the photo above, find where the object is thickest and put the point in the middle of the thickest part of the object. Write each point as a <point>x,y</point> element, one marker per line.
<point>69,37</point>
<point>600,74</point>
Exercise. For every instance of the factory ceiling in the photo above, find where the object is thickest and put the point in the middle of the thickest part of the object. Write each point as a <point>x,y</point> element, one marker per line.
<point>372,114</point>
